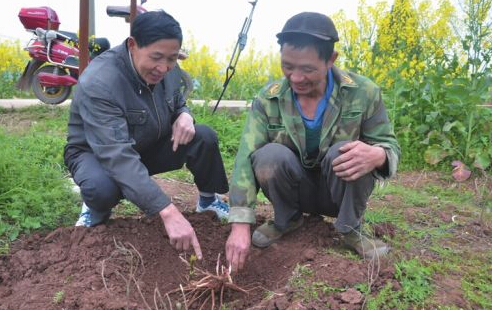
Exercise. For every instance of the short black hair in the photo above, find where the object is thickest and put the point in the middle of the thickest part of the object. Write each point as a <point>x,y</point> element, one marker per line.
<point>299,41</point>
<point>153,26</point>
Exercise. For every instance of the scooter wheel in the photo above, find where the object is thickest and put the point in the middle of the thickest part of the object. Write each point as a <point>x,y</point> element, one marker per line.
<point>51,94</point>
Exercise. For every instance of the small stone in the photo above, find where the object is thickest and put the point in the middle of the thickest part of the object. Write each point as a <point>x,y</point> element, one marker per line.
<point>352,296</point>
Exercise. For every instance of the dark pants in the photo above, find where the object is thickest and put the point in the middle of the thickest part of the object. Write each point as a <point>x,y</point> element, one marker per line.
<point>292,189</point>
<point>201,156</point>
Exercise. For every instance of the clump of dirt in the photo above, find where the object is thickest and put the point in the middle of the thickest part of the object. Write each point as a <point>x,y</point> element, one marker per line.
<point>129,264</point>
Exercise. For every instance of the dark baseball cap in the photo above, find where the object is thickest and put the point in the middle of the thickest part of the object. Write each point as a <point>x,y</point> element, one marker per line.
<point>311,23</point>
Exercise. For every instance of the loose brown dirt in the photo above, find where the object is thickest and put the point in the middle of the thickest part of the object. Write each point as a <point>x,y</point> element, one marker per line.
<point>129,264</point>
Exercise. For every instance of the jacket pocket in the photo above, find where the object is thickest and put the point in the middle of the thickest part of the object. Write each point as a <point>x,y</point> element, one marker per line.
<point>137,120</point>
<point>351,114</point>
<point>349,126</point>
<point>276,133</point>
<point>136,117</point>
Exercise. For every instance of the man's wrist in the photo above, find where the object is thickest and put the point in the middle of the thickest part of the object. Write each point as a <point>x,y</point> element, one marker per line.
<point>167,211</point>
<point>382,158</point>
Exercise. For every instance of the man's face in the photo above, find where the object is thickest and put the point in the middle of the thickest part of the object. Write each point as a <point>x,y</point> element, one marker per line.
<point>154,60</point>
<point>304,69</point>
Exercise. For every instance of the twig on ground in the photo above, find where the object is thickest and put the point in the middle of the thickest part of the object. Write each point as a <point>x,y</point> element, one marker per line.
<point>127,263</point>
<point>157,294</point>
<point>373,268</point>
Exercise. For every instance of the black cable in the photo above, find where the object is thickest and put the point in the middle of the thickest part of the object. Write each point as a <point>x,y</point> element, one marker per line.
<point>240,44</point>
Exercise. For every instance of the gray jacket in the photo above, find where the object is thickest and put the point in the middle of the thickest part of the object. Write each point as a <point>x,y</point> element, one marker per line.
<point>116,116</point>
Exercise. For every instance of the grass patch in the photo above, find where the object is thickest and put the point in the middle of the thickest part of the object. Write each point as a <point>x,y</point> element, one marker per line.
<point>381,215</point>
<point>34,190</point>
<point>415,280</point>
<point>126,208</point>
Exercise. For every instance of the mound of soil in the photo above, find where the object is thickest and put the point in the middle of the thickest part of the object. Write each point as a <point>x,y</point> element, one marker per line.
<point>129,264</point>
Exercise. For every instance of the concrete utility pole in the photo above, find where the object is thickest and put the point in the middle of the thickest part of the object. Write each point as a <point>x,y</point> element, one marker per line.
<point>92,18</point>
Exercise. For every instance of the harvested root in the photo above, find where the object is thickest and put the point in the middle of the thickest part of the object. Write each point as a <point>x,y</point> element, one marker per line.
<point>207,286</point>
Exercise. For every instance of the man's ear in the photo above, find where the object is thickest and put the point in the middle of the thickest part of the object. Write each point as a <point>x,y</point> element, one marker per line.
<point>332,59</point>
<point>131,42</point>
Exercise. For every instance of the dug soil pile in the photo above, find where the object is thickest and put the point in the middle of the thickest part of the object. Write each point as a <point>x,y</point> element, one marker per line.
<point>129,264</point>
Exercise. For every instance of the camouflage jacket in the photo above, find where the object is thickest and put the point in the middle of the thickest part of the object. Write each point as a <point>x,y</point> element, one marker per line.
<point>355,112</point>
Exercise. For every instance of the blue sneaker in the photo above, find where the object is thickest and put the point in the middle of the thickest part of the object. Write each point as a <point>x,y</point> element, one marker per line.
<point>89,217</point>
<point>220,207</point>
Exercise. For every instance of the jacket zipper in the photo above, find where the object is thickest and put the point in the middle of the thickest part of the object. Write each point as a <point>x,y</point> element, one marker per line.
<point>156,112</point>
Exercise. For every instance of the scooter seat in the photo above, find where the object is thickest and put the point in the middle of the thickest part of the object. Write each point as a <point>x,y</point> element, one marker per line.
<point>98,45</point>
<point>122,11</point>
<point>71,35</point>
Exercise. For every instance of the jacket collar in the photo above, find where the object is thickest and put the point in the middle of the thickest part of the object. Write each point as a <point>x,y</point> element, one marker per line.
<point>124,55</point>
<point>280,89</point>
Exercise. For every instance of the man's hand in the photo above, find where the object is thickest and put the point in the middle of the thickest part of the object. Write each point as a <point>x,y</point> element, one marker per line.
<point>181,234</point>
<point>358,159</point>
<point>183,130</point>
<point>237,245</point>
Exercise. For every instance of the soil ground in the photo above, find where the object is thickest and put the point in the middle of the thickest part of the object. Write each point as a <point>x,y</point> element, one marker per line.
<point>129,264</point>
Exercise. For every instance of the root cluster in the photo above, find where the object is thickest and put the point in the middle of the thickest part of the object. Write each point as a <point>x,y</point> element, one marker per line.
<point>207,286</point>
<point>201,289</point>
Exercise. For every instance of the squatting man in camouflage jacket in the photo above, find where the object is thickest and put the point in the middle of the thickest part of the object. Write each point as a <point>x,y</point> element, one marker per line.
<point>314,142</point>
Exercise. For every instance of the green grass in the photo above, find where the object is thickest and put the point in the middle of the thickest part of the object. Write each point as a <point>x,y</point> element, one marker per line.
<point>34,190</point>
<point>228,126</point>
<point>477,285</point>
<point>415,281</point>
<point>35,194</point>
<point>126,208</point>
<point>58,298</point>
<point>381,215</point>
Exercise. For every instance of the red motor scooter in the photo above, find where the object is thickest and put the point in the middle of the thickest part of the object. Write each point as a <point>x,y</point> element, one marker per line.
<point>54,65</point>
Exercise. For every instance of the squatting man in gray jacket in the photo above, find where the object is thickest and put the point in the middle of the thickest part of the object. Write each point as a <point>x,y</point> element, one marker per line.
<point>129,120</point>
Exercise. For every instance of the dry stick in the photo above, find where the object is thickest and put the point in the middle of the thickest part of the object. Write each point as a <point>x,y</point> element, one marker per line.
<point>212,294</point>
<point>135,260</point>
<point>222,294</point>
<point>370,267</point>
<point>481,201</point>
<point>195,297</point>
<point>205,302</point>
<point>158,294</point>
<point>418,179</point>
<point>140,292</point>
<point>169,300</point>
<point>184,297</point>
<point>103,277</point>
<point>370,276</point>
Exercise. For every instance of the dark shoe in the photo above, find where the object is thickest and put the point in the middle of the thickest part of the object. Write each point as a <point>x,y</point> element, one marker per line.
<point>366,246</point>
<point>267,233</point>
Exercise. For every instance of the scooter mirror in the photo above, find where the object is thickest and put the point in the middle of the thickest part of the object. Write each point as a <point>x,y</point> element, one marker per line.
<point>50,35</point>
<point>40,32</point>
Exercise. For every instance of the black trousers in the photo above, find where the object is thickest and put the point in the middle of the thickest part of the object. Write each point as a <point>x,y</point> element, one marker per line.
<point>291,188</point>
<point>201,156</point>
